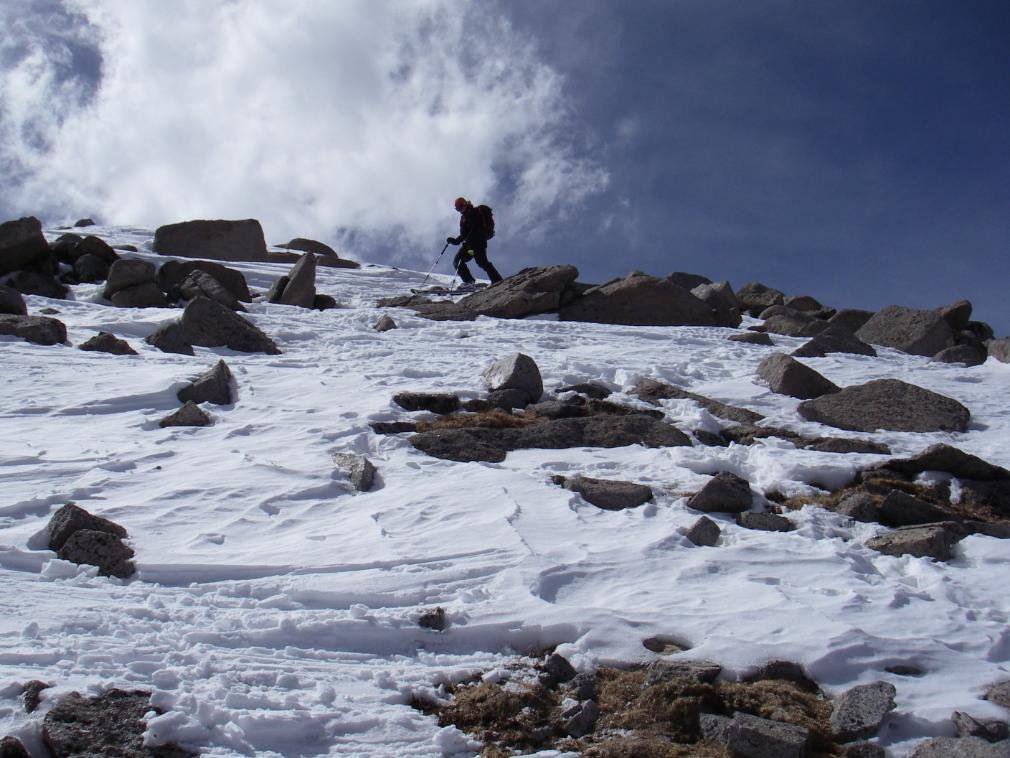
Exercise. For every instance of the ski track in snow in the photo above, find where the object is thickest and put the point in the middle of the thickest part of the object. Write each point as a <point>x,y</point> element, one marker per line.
<point>274,612</point>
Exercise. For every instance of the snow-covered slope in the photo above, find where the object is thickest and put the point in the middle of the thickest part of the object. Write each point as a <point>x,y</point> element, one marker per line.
<point>275,610</point>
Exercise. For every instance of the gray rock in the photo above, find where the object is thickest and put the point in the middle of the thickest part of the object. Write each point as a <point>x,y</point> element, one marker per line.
<point>722,300</point>
<point>172,274</point>
<point>101,549</point>
<point>752,338</point>
<point>277,289</point>
<point>11,747</point>
<point>72,518</point>
<point>787,376</point>
<point>764,522</point>
<point>862,750</point>
<point>754,737</point>
<point>662,671</point>
<point>301,287</point>
<point>859,712</point>
<point>146,295</point>
<point>609,494</point>
<point>688,281</point>
<point>912,331</point>
<point>724,493</point>
<point>37,283</point>
<point>218,240</point>
<point>788,671</point>
<point>41,330</point>
<point>170,338</point>
<point>652,392</point>
<point>111,724</point>
<point>515,372</point>
<point>999,693</point>
<point>850,319</point>
<point>581,719</point>
<point>934,541</point>
<point>189,414</point>
<point>531,291</point>
<point>846,445</point>
<point>31,694</point>
<point>393,427</point>
<point>802,303</point>
<point>210,324</point>
<point>901,509</point>
<point>795,325</point>
<point>755,297</point>
<point>704,532</point>
<point>589,389</point>
<point>91,268</point>
<point>969,355</point>
<point>304,245</point>
<point>990,730</point>
<point>559,669</point>
<point>714,727</point>
<point>384,324</point>
<point>710,439</point>
<point>127,273</point>
<point>506,400</point>
<point>104,342</point>
<point>492,445</point>
<point>213,386</point>
<point>21,244</point>
<point>960,747</point>
<point>324,302</point>
<point>999,349</point>
<point>834,339</point>
<point>435,620</point>
<point>434,402</point>
<point>201,284</point>
<point>12,302</point>
<point>64,248</point>
<point>83,222</point>
<point>582,687</point>
<point>358,469</point>
<point>783,310</point>
<point>957,315</point>
<point>96,246</point>
<point>887,404</point>
<point>860,506</point>
<point>639,300</point>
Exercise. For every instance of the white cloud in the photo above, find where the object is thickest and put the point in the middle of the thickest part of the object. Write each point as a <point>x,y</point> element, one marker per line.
<point>367,117</point>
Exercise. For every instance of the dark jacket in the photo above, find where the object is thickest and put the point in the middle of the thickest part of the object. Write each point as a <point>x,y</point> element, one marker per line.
<point>471,226</point>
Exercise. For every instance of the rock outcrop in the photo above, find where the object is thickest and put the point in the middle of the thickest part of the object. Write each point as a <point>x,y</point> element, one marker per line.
<point>218,240</point>
<point>887,404</point>
<point>639,300</point>
<point>918,332</point>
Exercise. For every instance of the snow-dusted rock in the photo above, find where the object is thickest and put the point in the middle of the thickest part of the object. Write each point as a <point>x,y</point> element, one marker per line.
<point>787,376</point>
<point>887,404</point>
<point>358,469</point>
<point>752,338</point>
<point>652,391</point>
<point>943,457</point>
<point>127,273</point>
<point>515,372</point>
<point>918,332</point>
<point>213,386</point>
<point>723,493</point>
<point>218,240</point>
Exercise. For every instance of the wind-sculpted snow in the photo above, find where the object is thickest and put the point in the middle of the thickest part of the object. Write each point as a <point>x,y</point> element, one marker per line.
<point>275,607</point>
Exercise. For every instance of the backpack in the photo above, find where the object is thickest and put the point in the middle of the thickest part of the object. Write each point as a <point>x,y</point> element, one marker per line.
<point>487,218</point>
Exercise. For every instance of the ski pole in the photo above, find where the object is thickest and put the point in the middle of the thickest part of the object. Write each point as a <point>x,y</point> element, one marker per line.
<point>434,264</point>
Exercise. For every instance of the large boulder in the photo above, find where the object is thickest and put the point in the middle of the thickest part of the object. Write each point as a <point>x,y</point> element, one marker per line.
<point>301,286</point>
<point>917,332</point>
<point>127,273</point>
<point>170,338</point>
<point>21,244</point>
<point>942,457</point>
<point>969,355</point>
<point>110,724</point>
<point>639,300</point>
<point>755,297</point>
<point>64,248</point>
<point>41,330</point>
<point>90,268</point>
<point>12,302</point>
<point>722,300</point>
<point>960,747</point>
<point>787,376</point>
<point>795,324</point>
<point>515,372</point>
<point>146,295</point>
<point>834,339</point>
<point>72,518</point>
<point>851,319</point>
<point>213,386</point>
<point>723,493</point>
<point>888,404</point>
<point>96,246</point>
<point>210,324</point>
<point>901,509</point>
<point>173,273</point>
<point>201,284</point>
<point>957,315</point>
<point>804,303</point>
<point>218,240</point>
<point>359,471</point>
<point>29,282</point>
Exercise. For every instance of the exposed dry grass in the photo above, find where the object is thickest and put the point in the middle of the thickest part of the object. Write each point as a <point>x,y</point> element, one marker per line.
<point>496,419</point>
<point>781,700</point>
<point>503,718</point>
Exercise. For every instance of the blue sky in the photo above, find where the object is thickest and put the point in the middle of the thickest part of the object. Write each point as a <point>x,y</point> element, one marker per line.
<point>857,151</point>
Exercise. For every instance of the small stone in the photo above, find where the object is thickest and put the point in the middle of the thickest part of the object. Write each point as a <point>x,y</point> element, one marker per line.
<point>934,541</point>
<point>901,509</point>
<point>753,338</point>
<point>704,533</point>
<point>860,506</point>
<point>516,371</point>
<point>787,376</point>
<point>189,414</point>
<point>559,668</point>
<point>72,518</point>
<point>582,687</point>
<point>724,493</point>
<point>609,494</point>
<point>440,403</point>
<point>990,730</point>
<point>104,342</point>
<point>859,712</point>
<point>213,386</point>
<point>384,324</point>
<point>101,549</point>
<point>11,747</point>
<point>581,720</point>
<point>435,619</point>
<point>764,522</point>
<point>359,470</point>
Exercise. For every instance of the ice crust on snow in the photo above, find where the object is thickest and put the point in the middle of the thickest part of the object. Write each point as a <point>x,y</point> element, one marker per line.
<point>274,613</point>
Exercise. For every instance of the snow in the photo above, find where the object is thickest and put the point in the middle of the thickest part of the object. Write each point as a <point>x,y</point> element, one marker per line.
<point>275,609</point>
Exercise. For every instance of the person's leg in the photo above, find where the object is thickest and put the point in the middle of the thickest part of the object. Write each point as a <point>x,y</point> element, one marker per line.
<point>459,263</point>
<point>480,256</point>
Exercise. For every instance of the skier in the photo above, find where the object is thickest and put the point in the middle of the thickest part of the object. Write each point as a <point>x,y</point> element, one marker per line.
<point>476,226</point>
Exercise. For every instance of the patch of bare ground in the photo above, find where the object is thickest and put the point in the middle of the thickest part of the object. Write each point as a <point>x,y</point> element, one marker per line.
<point>496,419</point>
<point>634,721</point>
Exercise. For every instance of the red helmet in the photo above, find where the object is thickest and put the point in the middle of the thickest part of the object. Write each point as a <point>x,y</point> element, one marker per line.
<point>461,203</point>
